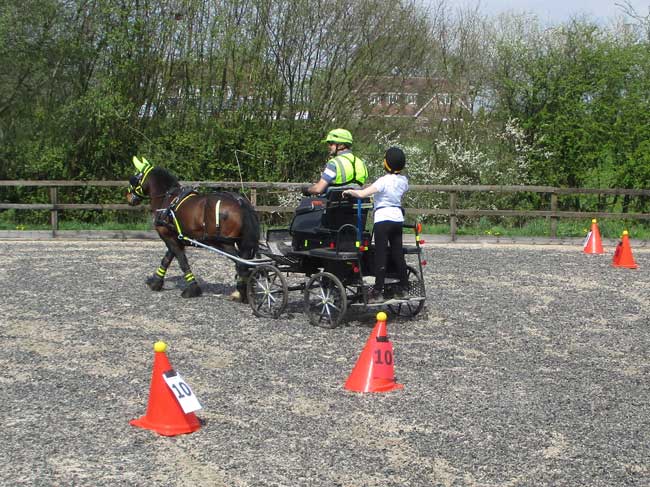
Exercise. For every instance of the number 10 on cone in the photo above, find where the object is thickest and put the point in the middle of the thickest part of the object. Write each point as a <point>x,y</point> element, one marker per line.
<point>182,391</point>
<point>382,356</point>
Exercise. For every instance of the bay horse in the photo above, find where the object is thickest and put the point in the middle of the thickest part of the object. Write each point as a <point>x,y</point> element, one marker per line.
<point>223,220</point>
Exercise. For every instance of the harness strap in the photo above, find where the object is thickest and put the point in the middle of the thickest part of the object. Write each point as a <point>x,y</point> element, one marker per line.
<point>176,204</point>
<point>176,224</point>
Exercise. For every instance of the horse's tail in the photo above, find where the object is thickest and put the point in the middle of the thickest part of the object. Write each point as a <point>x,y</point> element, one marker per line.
<point>250,231</point>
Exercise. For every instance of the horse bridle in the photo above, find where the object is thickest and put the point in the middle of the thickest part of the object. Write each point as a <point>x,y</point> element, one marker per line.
<point>137,181</point>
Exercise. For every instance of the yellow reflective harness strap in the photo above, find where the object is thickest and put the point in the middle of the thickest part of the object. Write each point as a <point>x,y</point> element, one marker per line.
<point>184,200</point>
<point>176,224</point>
<point>178,227</point>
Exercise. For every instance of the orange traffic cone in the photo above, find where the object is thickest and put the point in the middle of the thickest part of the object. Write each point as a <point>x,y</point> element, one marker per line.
<point>164,414</point>
<point>623,254</point>
<point>593,243</point>
<point>374,371</point>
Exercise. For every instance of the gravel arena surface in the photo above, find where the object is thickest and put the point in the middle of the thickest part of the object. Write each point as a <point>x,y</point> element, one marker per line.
<point>528,366</point>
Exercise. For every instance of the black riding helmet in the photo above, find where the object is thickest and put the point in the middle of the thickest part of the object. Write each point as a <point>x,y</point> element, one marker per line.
<point>394,160</point>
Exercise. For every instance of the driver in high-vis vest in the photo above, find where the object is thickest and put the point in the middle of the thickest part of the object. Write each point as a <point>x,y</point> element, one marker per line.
<point>343,169</point>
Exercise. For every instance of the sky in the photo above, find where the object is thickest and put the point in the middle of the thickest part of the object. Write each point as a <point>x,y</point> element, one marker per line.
<point>555,11</point>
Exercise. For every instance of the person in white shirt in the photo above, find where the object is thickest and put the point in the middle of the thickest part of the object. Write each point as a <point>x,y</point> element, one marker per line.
<point>388,221</point>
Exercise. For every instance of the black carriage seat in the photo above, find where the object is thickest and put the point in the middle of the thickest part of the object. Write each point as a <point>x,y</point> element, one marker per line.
<point>318,220</point>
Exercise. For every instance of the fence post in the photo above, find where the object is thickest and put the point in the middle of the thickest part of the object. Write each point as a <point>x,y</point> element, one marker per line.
<point>254,197</point>
<point>554,219</point>
<point>453,201</point>
<point>54,213</point>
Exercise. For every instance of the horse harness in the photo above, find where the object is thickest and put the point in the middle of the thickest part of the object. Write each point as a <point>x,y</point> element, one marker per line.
<point>167,216</point>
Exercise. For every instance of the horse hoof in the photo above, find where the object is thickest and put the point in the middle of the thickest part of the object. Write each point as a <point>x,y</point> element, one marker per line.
<point>235,296</point>
<point>155,283</point>
<point>192,291</point>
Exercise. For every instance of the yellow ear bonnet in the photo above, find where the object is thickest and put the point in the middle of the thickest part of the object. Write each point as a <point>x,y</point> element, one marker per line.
<point>140,165</point>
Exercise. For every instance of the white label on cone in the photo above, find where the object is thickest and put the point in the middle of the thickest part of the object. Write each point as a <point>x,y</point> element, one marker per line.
<point>584,244</point>
<point>181,389</point>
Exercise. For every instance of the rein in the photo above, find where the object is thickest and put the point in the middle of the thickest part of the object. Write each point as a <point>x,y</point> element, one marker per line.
<point>169,192</point>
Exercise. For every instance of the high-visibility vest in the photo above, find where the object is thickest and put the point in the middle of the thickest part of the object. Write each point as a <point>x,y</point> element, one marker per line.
<point>349,169</point>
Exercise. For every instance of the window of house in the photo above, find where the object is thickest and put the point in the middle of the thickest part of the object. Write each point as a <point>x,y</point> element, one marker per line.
<point>393,98</point>
<point>374,98</point>
<point>444,98</point>
<point>411,98</point>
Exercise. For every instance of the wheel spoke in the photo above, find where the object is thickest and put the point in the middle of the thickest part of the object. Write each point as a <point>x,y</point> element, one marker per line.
<point>267,291</point>
<point>329,315</point>
<point>325,313</point>
<point>318,293</point>
<point>334,306</point>
<point>325,300</point>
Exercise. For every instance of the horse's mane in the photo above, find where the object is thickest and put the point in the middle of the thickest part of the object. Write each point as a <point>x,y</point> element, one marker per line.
<point>166,179</point>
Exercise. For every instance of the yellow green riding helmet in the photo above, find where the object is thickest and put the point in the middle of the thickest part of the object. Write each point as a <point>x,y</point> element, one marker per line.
<point>339,136</point>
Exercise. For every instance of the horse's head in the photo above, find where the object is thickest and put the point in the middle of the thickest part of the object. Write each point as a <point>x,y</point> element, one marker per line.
<point>138,183</point>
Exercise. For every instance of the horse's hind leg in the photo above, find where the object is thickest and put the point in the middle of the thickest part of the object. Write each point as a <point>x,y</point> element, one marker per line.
<point>156,281</point>
<point>243,273</point>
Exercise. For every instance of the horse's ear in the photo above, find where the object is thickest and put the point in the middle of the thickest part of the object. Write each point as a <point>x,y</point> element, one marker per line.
<point>137,163</point>
<point>140,165</point>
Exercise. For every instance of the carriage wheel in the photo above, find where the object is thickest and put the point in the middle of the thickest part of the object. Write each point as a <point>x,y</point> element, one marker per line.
<point>416,289</point>
<point>325,300</point>
<point>267,291</point>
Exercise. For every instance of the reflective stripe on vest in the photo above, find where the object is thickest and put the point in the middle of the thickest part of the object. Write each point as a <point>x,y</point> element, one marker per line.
<point>349,170</point>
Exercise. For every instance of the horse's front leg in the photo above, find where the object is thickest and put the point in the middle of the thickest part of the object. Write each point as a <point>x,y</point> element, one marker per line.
<point>156,281</point>
<point>193,289</point>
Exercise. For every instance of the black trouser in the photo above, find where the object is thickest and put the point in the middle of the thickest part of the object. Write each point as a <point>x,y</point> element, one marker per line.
<point>385,233</point>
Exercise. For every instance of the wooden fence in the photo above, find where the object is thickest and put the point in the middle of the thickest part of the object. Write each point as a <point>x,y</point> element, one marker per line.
<point>452,212</point>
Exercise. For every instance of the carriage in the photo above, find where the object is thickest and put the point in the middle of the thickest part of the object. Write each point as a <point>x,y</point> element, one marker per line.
<point>327,243</point>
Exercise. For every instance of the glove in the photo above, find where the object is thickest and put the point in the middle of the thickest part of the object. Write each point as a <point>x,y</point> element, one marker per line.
<point>305,191</point>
